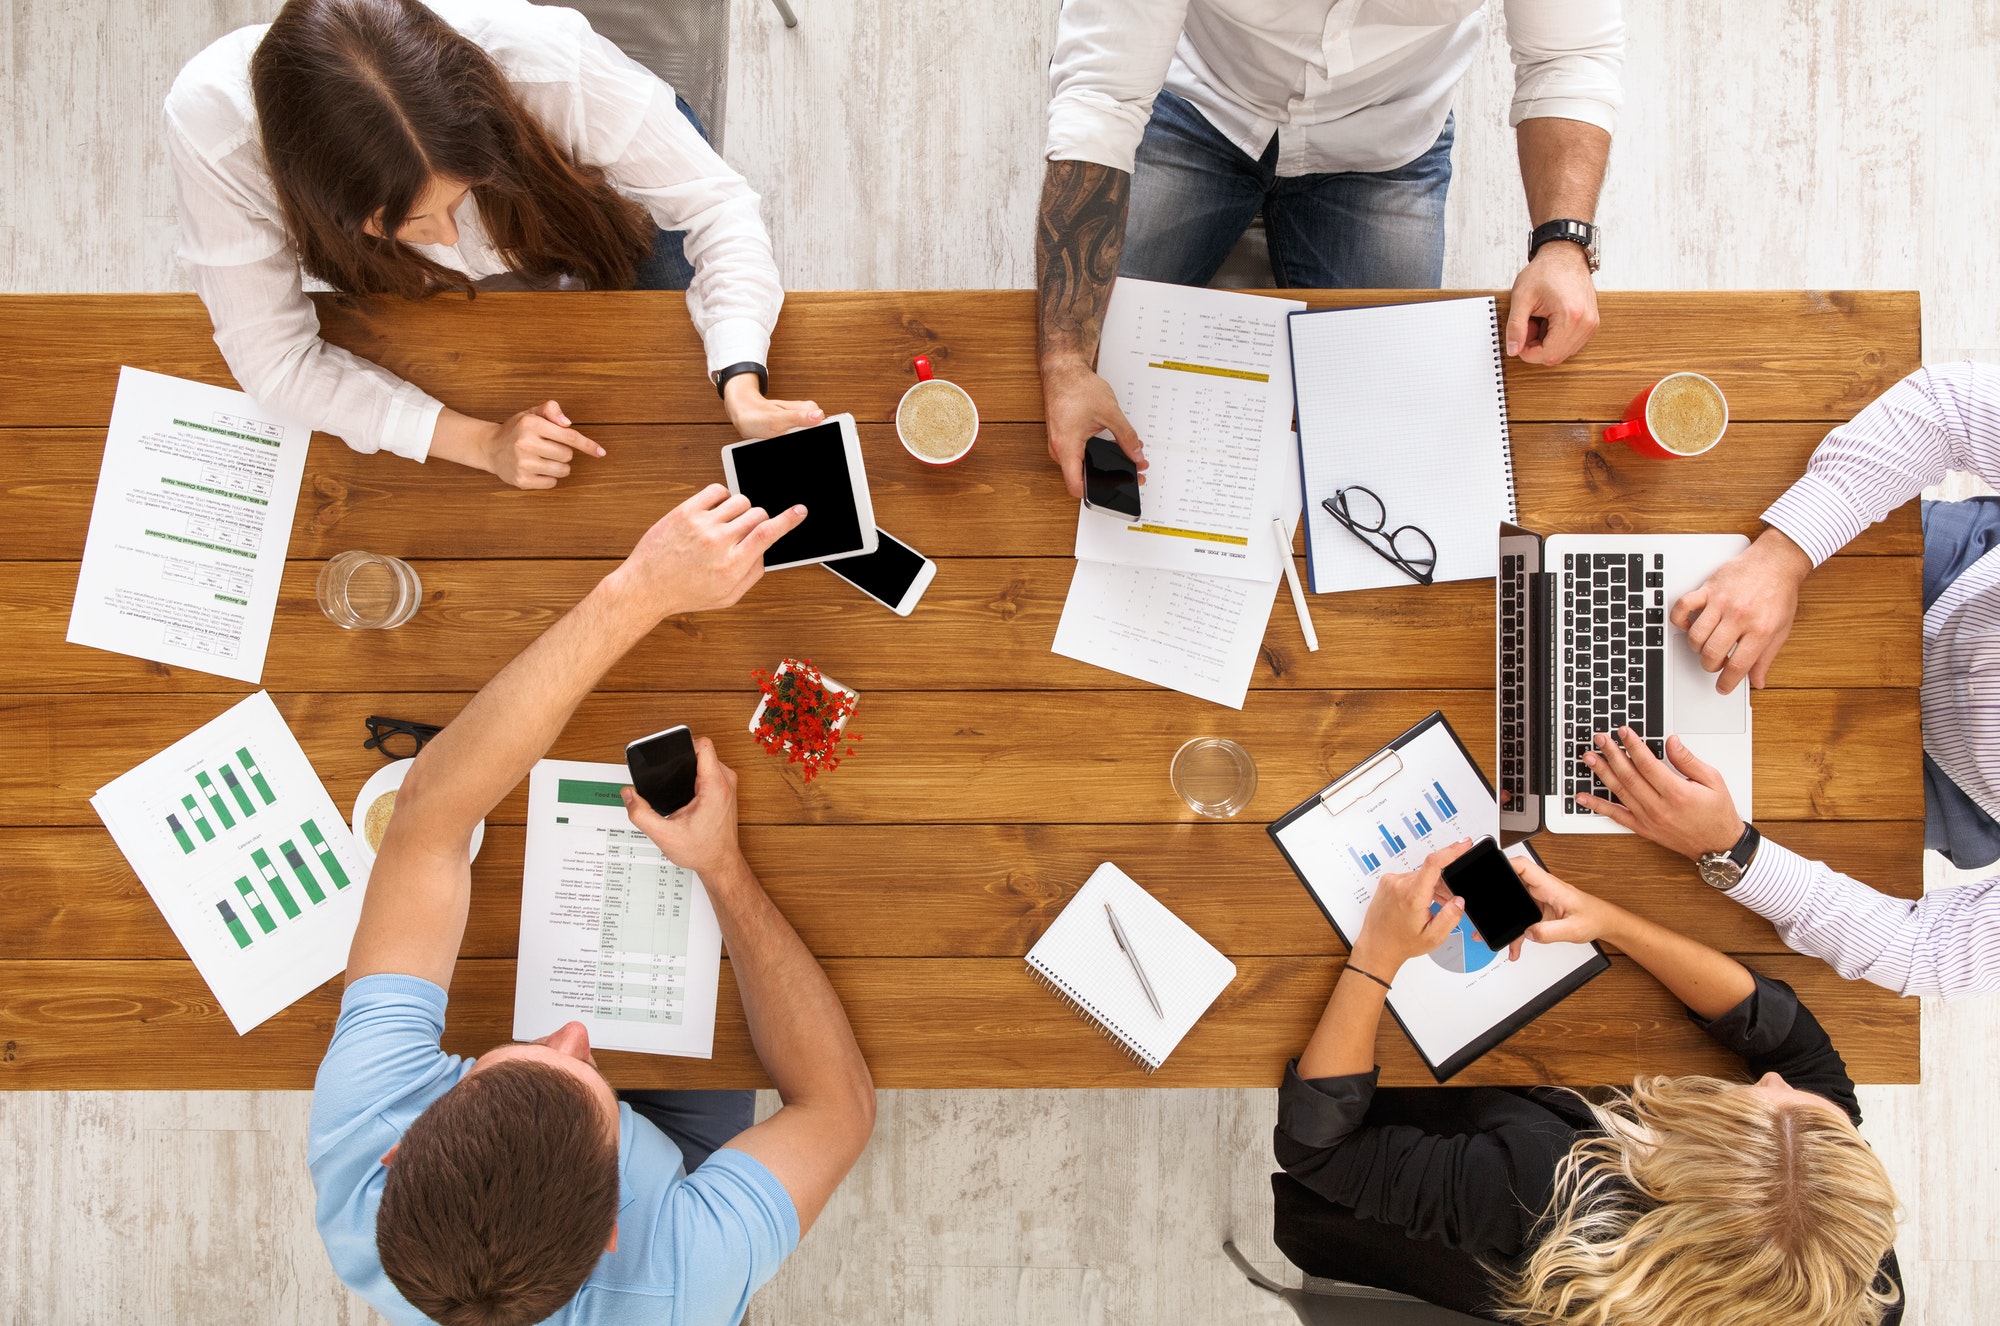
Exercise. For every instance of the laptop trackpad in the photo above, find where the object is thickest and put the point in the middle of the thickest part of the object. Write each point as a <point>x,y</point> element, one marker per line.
<point>1697,708</point>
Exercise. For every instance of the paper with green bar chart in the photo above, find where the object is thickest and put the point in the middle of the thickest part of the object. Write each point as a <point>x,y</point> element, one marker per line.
<point>189,527</point>
<point>613,934</point>
<point>245,855</point>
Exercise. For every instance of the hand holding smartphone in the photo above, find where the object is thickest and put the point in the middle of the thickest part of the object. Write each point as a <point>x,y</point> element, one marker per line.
<point>663,768</point>
<point>1110,478</point>
<point>1498,903</point>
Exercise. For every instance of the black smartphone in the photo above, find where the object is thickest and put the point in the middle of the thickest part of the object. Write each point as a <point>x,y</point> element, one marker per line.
<point>1110,478</point>
<point>1499,904</point>
<point>662,767</point>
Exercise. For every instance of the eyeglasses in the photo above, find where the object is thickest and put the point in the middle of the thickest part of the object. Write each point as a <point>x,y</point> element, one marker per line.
<point>1406,547</point>
<point>397,738</point>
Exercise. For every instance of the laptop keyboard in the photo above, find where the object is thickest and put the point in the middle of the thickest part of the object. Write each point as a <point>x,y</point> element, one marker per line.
<point>1614,660</point>
<point>1514,679</point>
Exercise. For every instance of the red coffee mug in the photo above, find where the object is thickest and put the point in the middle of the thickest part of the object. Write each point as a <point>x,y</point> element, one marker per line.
<point>1637,432</point>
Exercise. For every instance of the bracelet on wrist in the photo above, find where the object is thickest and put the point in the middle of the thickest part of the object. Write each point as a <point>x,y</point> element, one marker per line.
<point>1369,974</point>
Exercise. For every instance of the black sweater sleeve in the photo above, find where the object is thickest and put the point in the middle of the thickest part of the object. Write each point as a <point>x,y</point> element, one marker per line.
<point>1772,1032</point>
<point>1478,1190</point>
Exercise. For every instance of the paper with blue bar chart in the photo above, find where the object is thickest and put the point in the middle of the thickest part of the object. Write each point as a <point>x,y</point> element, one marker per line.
<point>1205,377</point>
<point>613,934</point>
<point>246,857</point>
<point>1385,817</point>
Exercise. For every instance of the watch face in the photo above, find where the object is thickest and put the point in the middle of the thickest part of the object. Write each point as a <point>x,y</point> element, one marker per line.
<point>1721,872</point>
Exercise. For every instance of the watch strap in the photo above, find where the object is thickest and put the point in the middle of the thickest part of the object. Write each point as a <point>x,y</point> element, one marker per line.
<point>722,376</point>
<point>1580,233</point>
<point>1745,850</point>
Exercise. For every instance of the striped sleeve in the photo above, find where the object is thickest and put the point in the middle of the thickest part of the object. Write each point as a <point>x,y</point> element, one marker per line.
<point>1936,419</point>
<point>1945,943</point>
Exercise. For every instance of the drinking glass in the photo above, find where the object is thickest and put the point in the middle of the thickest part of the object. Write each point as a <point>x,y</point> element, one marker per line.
<point>369,591</point>
<point>1215,776</point>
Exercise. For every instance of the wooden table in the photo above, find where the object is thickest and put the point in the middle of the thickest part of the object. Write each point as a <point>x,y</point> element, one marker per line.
<point>994,775</point>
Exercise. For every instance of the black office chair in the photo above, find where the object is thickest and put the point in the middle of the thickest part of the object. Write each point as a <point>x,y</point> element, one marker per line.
<point>1336,1303</point>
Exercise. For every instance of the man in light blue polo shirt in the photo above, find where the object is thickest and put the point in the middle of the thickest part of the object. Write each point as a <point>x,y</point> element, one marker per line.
<point>516,1187</point>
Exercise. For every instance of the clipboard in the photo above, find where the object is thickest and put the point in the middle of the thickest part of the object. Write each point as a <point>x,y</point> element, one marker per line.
<point>1319,837</point>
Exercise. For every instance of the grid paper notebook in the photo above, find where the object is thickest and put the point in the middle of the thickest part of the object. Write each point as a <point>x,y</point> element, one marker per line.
<point>1079,960</point>
<point>1406,400</point>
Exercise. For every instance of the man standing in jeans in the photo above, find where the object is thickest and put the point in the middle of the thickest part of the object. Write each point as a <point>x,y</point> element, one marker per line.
<point>517,1187</point>
<point>1173,124</point>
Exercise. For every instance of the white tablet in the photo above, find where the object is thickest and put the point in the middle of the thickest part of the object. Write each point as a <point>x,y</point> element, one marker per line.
<point>819,466</point>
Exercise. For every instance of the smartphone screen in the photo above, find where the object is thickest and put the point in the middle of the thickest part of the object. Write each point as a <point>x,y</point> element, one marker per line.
<point>885,574</point>
<point>1499,905</point>
<point>1110,478</point>
<point>662,768</point>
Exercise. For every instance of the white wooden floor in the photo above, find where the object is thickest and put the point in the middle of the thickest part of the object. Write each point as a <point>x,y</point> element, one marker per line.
<point>1833,143</point>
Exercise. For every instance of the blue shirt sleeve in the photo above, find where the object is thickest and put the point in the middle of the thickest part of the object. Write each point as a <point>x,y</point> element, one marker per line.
<point>724,1230</point>
<point>383,1068</point>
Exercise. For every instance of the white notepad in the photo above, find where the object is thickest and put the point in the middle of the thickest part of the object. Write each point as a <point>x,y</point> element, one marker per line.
<point>1408,401</point>
<point>1079,960</point>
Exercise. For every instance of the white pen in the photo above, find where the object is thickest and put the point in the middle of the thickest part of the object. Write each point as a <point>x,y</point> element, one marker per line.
<point>1118,933</point>
<point>1292,578</point>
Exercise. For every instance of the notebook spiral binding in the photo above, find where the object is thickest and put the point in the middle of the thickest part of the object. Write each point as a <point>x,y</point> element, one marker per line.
<point>1506,440</point>
<point>1090,1015</point>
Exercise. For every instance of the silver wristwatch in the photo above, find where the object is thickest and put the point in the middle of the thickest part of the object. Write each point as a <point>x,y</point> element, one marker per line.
<point>1725,870</point>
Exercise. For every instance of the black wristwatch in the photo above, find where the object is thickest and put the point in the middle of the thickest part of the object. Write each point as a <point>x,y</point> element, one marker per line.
<point>722,376</point>
<point>1725,870</point>
<point>1580,233</point>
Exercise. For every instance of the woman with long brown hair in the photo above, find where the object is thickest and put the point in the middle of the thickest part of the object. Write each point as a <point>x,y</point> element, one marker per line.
<point>1683,1201</point>
<point>383,147</point>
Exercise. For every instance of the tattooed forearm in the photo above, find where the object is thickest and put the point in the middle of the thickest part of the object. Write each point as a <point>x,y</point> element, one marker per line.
<point>1077,242</point>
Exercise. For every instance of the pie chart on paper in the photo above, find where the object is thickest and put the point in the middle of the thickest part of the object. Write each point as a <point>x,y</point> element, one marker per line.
<point>1461,953</point>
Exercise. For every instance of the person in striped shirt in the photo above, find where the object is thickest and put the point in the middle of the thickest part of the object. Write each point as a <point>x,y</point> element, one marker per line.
<point>1947,942</point>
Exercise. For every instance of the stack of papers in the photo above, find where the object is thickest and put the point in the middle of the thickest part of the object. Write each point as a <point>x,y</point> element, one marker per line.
<point>1182,597</point>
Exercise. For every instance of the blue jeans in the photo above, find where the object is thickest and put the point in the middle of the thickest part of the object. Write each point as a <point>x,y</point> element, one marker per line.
<point>1956,534</point>
<point>667,267</point>
<point>1194,192</point>
<point>698,1122</point>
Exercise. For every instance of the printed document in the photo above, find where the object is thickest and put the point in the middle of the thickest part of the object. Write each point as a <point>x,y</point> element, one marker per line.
<point>1196,634</point>
<point>613,934</point>
<point>1205,376</point>
<point>189,528</point>
<point>243,852</point>
<point>1386,818</point>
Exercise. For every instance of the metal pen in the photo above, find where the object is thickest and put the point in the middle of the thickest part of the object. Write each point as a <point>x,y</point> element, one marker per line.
<point>1118,933</point>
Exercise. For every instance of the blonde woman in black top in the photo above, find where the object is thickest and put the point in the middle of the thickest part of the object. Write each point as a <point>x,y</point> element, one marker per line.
<point>1683,1201</point>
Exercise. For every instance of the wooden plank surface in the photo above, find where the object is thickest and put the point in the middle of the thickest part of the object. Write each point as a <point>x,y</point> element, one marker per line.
<point>984,622</point>
<point>975,890</point>
<point>633,357</point>
<point>991,775</point>
<point>972,1022</point>
<point>992,757</point>
<point>1004,500</point>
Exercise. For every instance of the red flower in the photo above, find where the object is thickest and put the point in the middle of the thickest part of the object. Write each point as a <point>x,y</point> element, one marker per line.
<point>803,716</point>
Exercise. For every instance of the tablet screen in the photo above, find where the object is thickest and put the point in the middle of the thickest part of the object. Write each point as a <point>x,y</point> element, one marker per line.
<point>808,466</point>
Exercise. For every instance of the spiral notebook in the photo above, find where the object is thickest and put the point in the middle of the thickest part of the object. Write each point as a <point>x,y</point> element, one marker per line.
<point>1407,401</point>
<point>1079,960</point>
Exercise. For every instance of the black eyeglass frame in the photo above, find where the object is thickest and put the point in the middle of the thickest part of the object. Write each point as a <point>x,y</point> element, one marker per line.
<point>381,730</point>
<point>1336,506</point>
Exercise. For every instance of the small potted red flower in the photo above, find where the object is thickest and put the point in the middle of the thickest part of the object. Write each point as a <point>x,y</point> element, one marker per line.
<point>804,714</point>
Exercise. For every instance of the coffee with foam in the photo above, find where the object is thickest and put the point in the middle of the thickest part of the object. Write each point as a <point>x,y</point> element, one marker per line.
<point>936,420</point>
<point>1687,414</point>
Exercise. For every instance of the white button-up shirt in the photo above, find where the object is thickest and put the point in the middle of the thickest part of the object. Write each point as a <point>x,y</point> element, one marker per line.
<point>1948,941</point>
<point>1347,85</point>
<point>599,105</point>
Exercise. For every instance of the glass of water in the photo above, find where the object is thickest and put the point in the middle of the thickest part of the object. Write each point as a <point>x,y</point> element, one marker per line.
<point>1215,776</point>
<point>369,591</point>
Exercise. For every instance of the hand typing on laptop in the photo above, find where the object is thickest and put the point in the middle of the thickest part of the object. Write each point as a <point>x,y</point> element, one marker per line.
<point>1739,617</point>
<point>1690,812</point>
